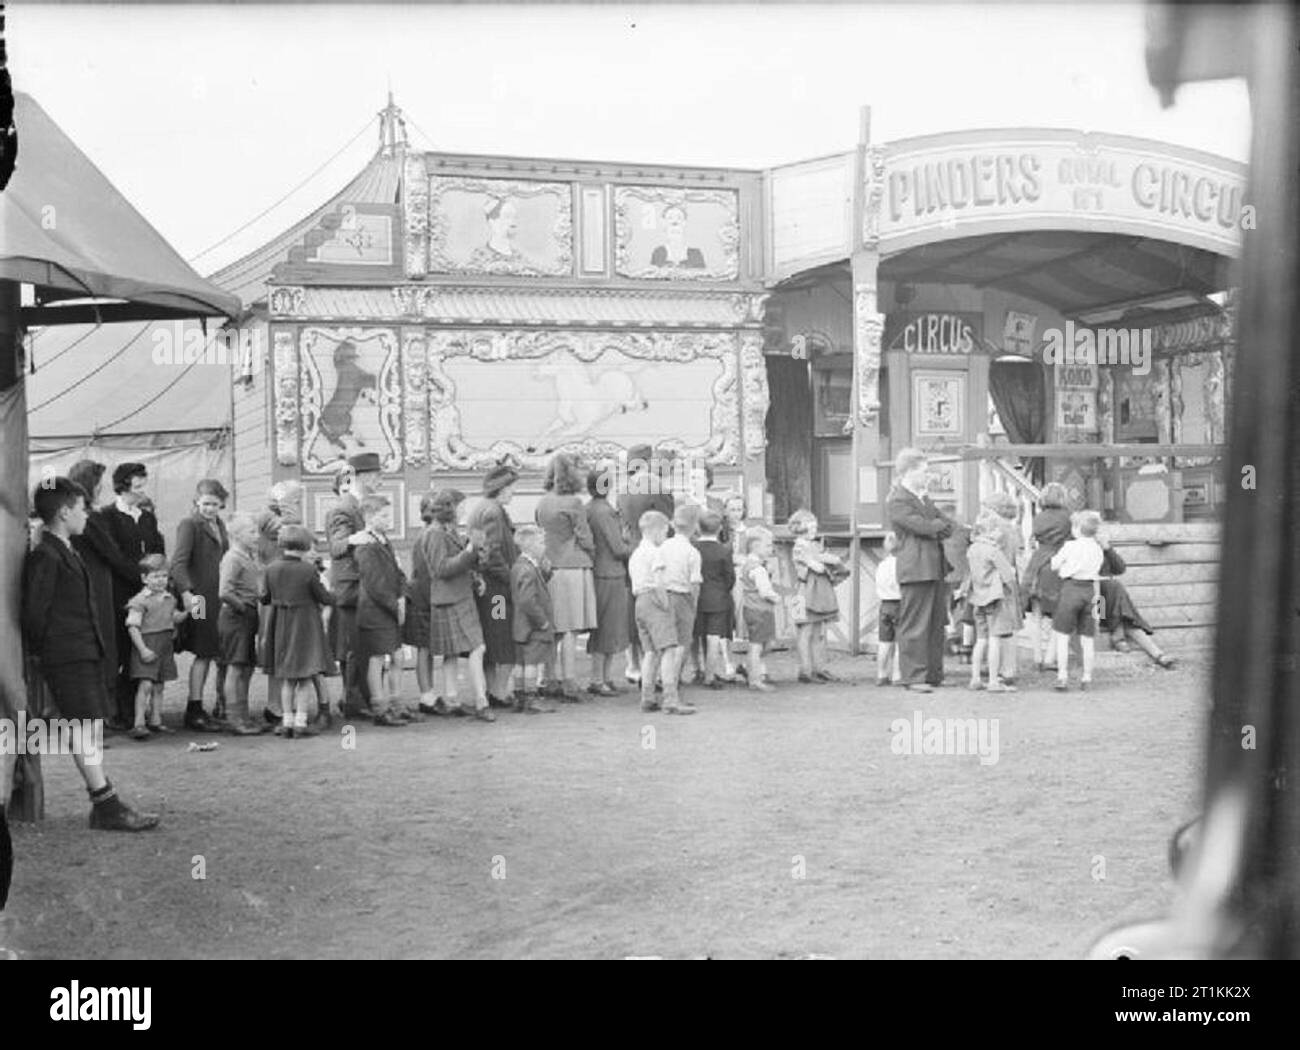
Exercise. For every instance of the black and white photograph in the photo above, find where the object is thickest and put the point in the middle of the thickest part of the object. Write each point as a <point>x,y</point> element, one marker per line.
<point>649,482</point>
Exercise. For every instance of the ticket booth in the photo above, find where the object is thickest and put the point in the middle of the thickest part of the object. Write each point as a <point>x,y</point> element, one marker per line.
<point>937,373</point>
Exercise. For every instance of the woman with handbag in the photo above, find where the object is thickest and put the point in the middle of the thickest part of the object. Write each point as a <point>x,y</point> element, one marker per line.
<point>196,569</point>
<point>815,604</point>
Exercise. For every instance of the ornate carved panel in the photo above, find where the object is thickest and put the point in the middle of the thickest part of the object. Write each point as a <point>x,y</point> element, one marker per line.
<point>757,400</point>
<point>288,301</point>
<point>500,227</point>
<point>415,397</point>
<point>286,397</point>
<point>350,399</point>
<point>870,330</point>
<point>875,194</point>
<point>415,203</point>
<point>589,393</point>
<point>677,234</point>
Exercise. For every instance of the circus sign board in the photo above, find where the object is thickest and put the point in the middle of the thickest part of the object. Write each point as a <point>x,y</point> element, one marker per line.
<point>967,184</point>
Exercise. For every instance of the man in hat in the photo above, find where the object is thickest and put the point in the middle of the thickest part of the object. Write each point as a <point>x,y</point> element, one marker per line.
<point>345,528</point>
<point>494,604</point>
<point>644,490</point>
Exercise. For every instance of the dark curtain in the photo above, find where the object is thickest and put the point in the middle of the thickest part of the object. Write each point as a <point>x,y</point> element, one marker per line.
<point>789,434</point>
<point>1019,393</point>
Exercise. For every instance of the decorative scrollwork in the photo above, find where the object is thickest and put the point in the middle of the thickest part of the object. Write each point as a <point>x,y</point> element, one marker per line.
<point>414,300</point>
<point>287,301</point>
<point>415,205</point>
<point>286,397</point>
<point>875,190</point>
<point>870,329</point>
<point>415,397</point>
<point>757,400</point>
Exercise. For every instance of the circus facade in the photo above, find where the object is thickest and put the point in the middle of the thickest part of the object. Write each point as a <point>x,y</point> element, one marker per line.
<point>448,312</point>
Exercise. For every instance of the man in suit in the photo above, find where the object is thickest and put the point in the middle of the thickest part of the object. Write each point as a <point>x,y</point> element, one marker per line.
<point>646,489</point>
<point>134,529</point>
<point>62,635</point>
<point>345,528</point>
<point>921,528</point>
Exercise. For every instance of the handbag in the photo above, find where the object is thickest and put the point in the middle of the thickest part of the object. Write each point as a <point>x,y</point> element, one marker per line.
<point>819,594</point>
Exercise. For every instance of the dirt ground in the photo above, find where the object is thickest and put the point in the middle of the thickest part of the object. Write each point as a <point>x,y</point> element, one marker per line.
<point>778,825</point>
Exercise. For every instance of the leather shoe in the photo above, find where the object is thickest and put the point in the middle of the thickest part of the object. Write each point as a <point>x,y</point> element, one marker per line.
<point>920,687</point>
<point>200,723</point>
<point>387,720</point>
<point>484,714</point>
<point>116,815</point>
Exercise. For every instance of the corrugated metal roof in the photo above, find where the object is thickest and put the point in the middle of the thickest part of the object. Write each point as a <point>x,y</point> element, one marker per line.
<point>514,305</point>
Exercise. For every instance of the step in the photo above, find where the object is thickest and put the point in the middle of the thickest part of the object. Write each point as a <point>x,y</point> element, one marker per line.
<point>1155,575</point>
<point>1171,554</point>
<point>1151,596</point>
<point>1183,532</point>
<point>1200,615</point>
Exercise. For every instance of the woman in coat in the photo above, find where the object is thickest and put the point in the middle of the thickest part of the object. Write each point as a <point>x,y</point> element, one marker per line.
<point>454,629</point>
<point>110,570</point>
<point>1041,587</point>
<point>609,569</point>
<point>491,519</point>
<point>569,548</point>
<point>196,570</point>
<point>415,628</point>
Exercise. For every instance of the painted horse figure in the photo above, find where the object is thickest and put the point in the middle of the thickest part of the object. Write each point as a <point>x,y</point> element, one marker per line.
<point>585,401</point>
<point>353,383</point>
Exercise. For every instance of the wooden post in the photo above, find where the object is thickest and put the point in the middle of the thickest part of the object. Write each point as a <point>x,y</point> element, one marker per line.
<point>868,327</point>
<point>27,802</point>
<point>860,263</point>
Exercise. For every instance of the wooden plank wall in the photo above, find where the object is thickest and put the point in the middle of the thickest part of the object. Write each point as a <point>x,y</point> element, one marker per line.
<point>252,436</point>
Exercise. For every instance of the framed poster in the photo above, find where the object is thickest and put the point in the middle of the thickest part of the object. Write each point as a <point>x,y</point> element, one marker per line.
<point>349,394</point>
<point>938,404</point>
<point>670,234</point>
<point>322,502</point>
<point>500,227</point>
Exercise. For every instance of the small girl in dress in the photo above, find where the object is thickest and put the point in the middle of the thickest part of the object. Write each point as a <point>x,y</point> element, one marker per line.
<point>811,564</point>
<point>1041,586</point>
<point>296,633</point>
<point>151,619</point>
<point>758,605</point>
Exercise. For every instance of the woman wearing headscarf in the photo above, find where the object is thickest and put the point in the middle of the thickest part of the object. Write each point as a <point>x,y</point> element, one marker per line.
<point>491,518</point>
<point>196,570</point>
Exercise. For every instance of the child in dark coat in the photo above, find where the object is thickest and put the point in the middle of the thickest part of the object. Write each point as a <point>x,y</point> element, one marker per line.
<point>713,617</point>
<point>297,651</point>
<point>381,612</point>
<point>533,624</point>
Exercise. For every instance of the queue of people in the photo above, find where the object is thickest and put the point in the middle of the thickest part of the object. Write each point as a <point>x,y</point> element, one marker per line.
<point>670,580</point>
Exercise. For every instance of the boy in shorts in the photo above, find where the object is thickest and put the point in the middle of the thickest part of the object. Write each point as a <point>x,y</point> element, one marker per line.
<point>1078,563</point>
<point>656,624</point>
<point>151,619</point>
<point>889,596</point>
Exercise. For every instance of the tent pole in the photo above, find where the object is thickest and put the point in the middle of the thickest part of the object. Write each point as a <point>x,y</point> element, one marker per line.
<point>27,802</point>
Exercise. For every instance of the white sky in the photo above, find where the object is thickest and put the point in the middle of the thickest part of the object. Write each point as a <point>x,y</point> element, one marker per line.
<point>204,115</point>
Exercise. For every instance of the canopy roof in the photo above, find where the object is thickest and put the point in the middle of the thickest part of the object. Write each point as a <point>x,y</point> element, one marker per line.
<point>65,229</point>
